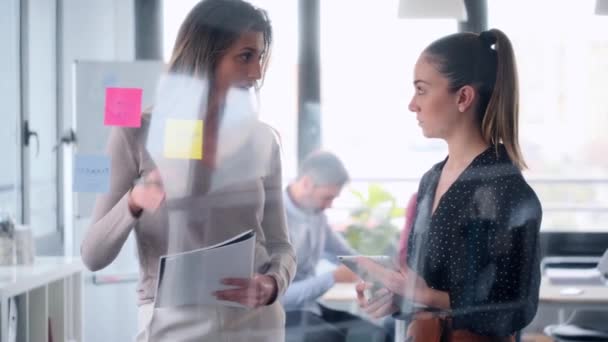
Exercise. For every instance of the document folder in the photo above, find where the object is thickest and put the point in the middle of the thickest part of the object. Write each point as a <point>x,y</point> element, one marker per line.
<point>191,278</point>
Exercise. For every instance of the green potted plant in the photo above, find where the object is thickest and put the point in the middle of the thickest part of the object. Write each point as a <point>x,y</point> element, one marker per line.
<point>372,229</point>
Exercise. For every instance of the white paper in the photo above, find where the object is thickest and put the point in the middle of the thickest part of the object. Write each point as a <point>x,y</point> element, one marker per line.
<point>191,278</point>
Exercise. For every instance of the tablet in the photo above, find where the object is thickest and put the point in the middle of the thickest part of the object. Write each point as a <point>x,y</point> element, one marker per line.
<point>351,262</point>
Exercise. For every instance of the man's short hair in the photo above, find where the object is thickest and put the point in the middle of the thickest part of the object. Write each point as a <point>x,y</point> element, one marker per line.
<point>324,168</point>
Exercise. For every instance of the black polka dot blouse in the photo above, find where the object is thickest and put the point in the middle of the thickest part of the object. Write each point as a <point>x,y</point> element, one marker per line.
<point>481,245</point>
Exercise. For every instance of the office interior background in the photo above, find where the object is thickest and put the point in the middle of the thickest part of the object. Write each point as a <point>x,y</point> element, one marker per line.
<point>339,79</point>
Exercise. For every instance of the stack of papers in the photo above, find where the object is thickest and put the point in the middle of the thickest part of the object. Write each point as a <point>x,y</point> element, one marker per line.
<point>191,278</point>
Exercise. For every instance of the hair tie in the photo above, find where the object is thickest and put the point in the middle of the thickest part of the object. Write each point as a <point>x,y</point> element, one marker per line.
<point>488,38</point>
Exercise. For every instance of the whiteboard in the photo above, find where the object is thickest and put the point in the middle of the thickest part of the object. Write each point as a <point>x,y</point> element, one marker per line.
<point>91,78</point>
<point>90,81</point>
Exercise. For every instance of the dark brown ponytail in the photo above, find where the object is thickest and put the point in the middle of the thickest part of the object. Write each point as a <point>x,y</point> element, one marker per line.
<point>486,62</point>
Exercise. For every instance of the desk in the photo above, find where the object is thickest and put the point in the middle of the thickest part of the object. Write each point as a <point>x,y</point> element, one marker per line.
<point>344,297</point>
<point>341,292</point>
<point>50,290</point>
<point>592,297</point>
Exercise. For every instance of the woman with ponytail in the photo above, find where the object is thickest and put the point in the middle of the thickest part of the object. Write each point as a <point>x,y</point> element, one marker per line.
<point>473,255</point>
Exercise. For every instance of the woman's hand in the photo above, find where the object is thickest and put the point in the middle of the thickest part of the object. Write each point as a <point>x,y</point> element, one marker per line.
<point>252,293</point>
<point>404,282</point>
<point>147,195</point>
<point>343,274</point>
<point>381,304</point>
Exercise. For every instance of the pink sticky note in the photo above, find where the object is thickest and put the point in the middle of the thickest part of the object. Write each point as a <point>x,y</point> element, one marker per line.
<point>123,107</point>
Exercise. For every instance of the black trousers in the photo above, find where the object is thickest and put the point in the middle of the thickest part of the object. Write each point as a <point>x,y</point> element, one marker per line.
<point>331,326</point>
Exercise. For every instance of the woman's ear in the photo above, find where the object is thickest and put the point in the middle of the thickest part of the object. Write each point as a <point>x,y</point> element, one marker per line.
<point>466,97</point>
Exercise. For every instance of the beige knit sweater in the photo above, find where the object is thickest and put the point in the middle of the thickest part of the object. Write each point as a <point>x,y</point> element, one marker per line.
<point>217,203</point>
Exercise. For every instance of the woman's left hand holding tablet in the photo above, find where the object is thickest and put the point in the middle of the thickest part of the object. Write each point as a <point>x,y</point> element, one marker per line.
<point>403,282</point>
<point>380,305</point>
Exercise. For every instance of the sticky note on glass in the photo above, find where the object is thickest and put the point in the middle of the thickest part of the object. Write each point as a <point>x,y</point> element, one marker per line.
<point>91,173</point>
<point>109,80</point>
<point>123,107</point>
<point>183,139</point>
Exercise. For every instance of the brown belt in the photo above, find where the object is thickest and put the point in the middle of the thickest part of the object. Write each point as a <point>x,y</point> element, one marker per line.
<point>438,330</point>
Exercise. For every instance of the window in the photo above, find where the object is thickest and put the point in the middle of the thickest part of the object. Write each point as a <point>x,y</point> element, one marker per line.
<point>563,108</point>
<point>10,179</point>
<point>367,64</point>
<point>39,109</point>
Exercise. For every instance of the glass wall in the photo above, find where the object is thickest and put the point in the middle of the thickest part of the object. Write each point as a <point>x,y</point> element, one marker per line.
<point>145,207</point>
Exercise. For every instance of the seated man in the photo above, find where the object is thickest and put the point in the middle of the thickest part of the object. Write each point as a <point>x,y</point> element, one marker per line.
<point>320,180</point>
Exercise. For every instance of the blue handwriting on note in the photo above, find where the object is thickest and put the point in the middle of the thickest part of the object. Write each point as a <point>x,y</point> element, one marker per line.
<point>91,173</point>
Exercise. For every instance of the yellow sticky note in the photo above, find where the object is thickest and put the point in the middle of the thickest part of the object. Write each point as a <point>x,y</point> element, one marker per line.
<point>184,139</point>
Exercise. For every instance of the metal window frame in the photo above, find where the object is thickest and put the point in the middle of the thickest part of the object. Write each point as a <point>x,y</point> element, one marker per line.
<point>50,243</point>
